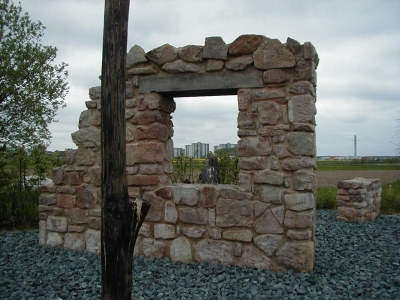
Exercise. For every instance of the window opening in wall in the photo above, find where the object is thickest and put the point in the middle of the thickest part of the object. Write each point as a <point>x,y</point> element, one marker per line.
<point>205,127</point>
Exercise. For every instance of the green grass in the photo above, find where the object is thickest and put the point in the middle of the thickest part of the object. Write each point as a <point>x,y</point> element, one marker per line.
<point>358,165</point>
<point>391,198</point>
<point>326,198</point>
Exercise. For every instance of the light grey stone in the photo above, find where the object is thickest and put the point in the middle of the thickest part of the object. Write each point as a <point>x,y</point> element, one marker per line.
<point>301,143</point>
<point>215,251</point>
<point>54,239</point>
<point>268,242</point>
<point>215,48</point>
<point>180,250</point>
<point>299,202</point>
<point>135,55</point>
<point>164,231</point>
<point>93,241</point>
<point>59,224</point>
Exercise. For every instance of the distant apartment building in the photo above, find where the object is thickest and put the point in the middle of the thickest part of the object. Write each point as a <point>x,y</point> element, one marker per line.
<point>197,150</point>
<point>179,152</point>
<point>225,146</point>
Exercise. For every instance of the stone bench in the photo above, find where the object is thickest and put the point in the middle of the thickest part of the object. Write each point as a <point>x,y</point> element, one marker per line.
<point>358,199</point>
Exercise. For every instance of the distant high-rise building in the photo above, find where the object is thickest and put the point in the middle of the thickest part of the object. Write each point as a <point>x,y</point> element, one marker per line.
<point>225,146</point>
<point>197,150</point>
<point>179,152</point>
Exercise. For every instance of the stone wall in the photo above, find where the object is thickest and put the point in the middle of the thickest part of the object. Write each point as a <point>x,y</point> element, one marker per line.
<point>358,200</point>
<point>267,221</point>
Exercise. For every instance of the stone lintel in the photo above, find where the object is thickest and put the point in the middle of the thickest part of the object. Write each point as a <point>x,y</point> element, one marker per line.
<point>206,84</point>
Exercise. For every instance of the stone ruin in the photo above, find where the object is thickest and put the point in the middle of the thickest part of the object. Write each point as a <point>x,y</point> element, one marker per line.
<point>358,200</point>
<point>267,221</point>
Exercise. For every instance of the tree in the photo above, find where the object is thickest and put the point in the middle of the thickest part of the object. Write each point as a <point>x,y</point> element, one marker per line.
<point>32,87</point>
<point>120,218</point>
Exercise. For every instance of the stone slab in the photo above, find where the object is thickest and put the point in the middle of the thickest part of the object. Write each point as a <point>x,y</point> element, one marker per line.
<point>196,84</point>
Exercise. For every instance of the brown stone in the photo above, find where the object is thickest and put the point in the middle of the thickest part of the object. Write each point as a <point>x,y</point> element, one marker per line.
<point>252,163</point>
<point>193,215</point>
<point>238,235</point>
<point>299,234</point>
<point>268,93</point>
<point>75,178</point>
<point>244,99</point>
<point>214,65</point>
<point>74,241</point>
<point>252,257</point>
<point>246,120</point>
<point>233,193</point>
<point>260,207</point>
<point>156,132</point>
<point>146,117</point>
<point>191,53</point>
<point>275,76</point>
<point>215,251</point>
<point>305,70</point>
<point>164,231</point>
<point>269,113</point>
<point>95,175</point>
<point>76,216</point>
<point>239,63</point>
<point>303,87</point>
<point>179,66</point>
<point>51,209</point>
<point>244,182</point>
<point>143,180</point>
<point>163,54</point>
<point>145,152</point>
<point>66,201</point>
<point>156,208</point>
<point>75,228</point>
<point>269,177</point>
<point>268,224</point>
<point>58,175</point>
<point>304,180</point>
<point>299,256</point>
<point>232,213</point>
<point>302,109</point>
<point>165,192</point>
<point>300,202</point>
<point>273,55</point>
<point>170,212</point>
<point>94,223</point>
<point>86,196</point>
<point>48,188</point>
<point>254,146</point>
<point>149,101</point>
<point>185,195</point>
<point>280,151</point>
<point>292,164</point>
<point>195,232</point>
<point>153,248</point>
<point>268,242</point>
<point>299,220</point>
<point>48,199</point>
<point>246,44</point>
<point>59,224</point>
<point>66,189</point>
<point>209,195</point>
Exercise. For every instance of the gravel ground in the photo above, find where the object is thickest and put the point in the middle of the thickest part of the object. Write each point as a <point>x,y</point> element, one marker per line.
<point>352,262</point>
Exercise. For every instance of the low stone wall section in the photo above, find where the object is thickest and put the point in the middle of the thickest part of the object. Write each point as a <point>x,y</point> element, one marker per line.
<point>267,221</point>
<point>358,199</point>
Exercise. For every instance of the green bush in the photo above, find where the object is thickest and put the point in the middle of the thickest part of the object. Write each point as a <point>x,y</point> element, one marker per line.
<point>326,198</point>
<point>19,209</point>
<point>390,203</point>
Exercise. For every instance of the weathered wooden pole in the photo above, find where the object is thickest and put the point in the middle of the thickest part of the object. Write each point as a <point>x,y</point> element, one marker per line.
<point>121,218</point>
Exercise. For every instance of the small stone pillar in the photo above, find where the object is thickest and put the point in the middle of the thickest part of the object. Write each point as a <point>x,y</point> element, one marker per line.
<point>358,199</point>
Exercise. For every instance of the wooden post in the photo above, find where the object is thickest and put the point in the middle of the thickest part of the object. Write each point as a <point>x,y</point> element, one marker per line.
<point>121,218</point>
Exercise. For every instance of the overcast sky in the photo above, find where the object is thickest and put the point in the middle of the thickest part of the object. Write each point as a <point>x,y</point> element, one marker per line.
<point>358,43</point>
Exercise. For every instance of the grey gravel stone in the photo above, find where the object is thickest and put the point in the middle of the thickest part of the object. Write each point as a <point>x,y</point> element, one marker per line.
<point>353,261</point>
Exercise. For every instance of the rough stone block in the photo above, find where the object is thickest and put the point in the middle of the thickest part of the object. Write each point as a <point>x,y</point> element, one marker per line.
<point>275,76</point>
<point>93,241</point>
<point>269,113</point>
<point>209,195</point>
<point>180,66</point>
<point>153,248</point>
<point>239,63</point>
<point>246,44</point>
<point>252,163</point>
<point>268,242</point>
<point>302,109</point>
<point>145,152</point>
<point>185,195</point>
<point>48,199</point>
<point>252,257</point>
<point>59,224</point>
<point>74,241</point>
<point>215,48</point>
<point>54,239</point>
<point>66,201</point>
<point>156,208</point>
<point>170,212</point>
<point>238,235</point>
<point>215,251</point>
<point>273,55</point>
<point>195,232</point>
<point>300,202</point>
<point>301,143</point>
<point>193,215</point>
<point>268,223</point>
<point>299,220</point>
<point>231,213</point>
<point>76,216</point>
<point>254,146</point>
<point>164,231</point>
<point>163,54</point>
<point>191,53</point>
<point>180,250</point>
<point>299,256</point>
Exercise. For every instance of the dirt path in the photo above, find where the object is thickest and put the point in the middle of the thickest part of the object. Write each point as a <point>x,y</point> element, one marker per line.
<point>331,178</point>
